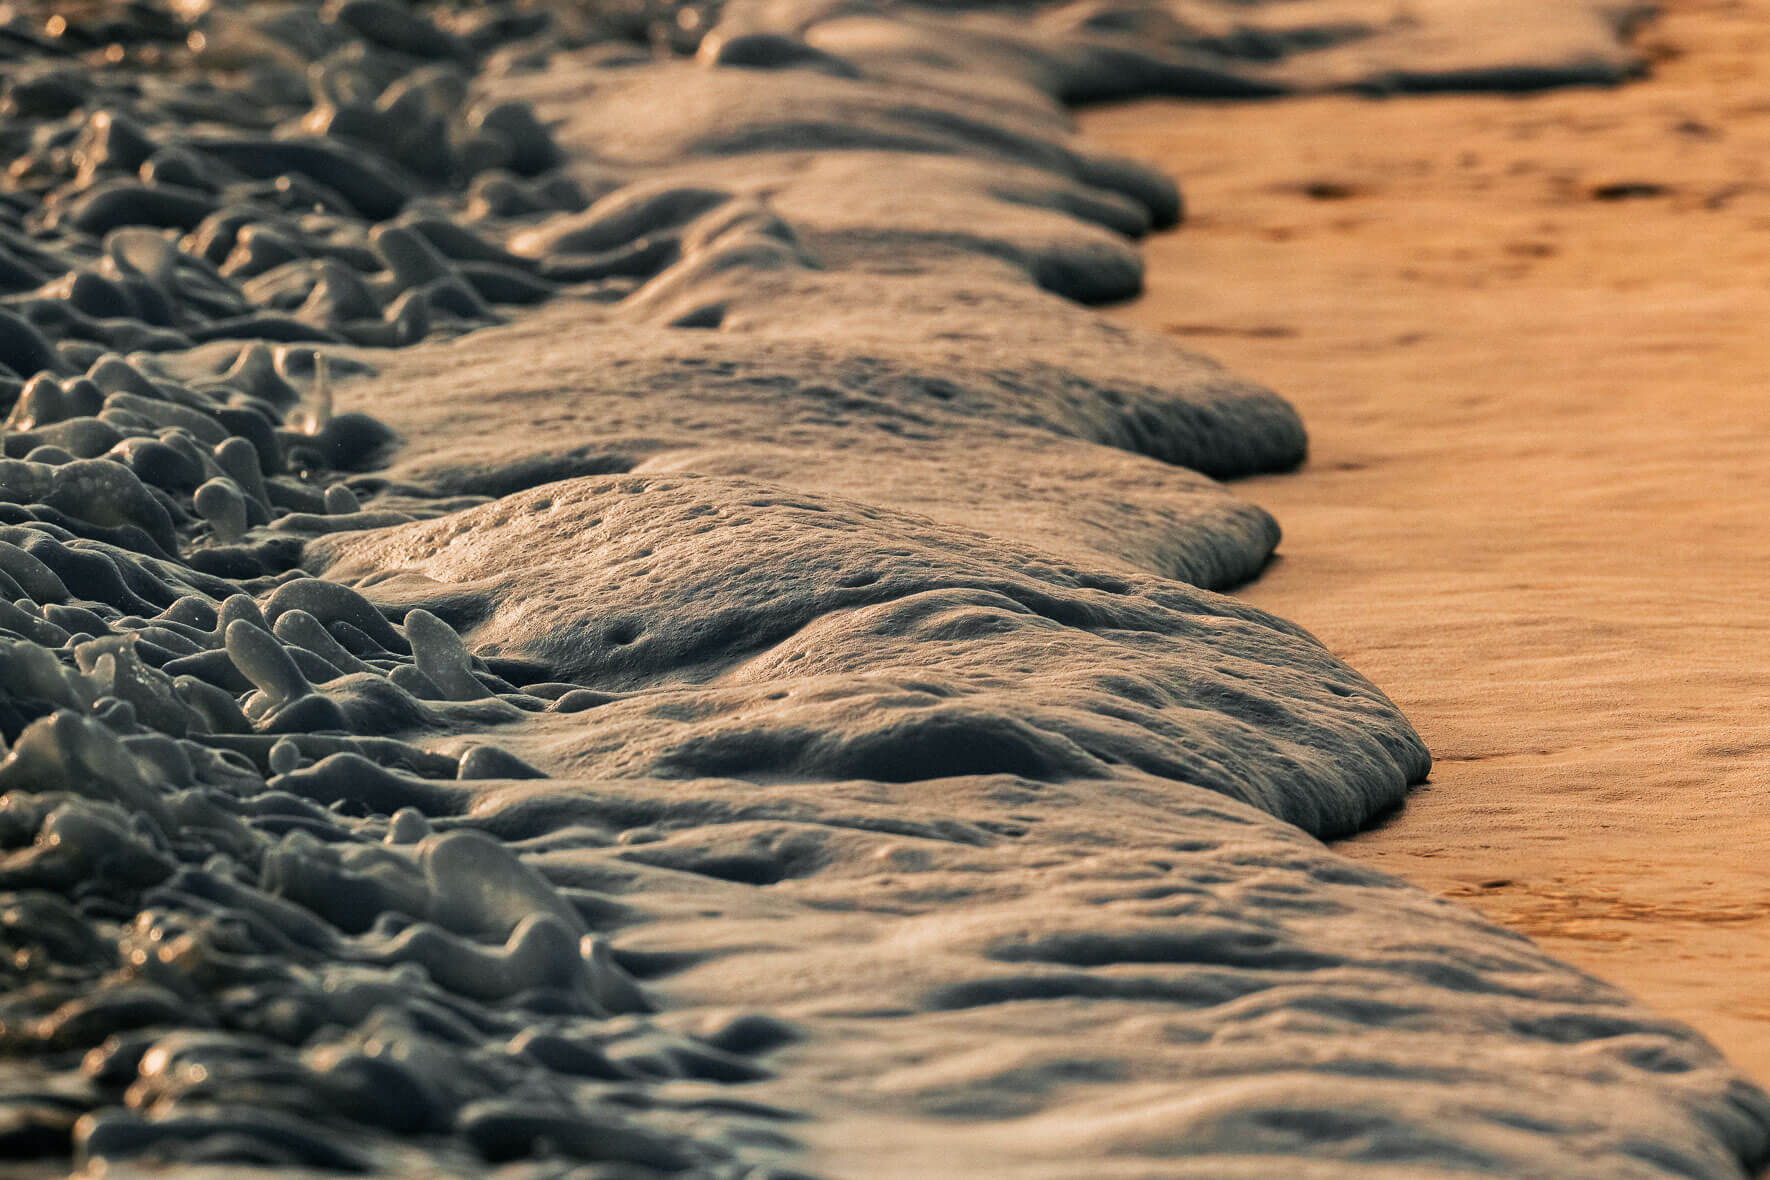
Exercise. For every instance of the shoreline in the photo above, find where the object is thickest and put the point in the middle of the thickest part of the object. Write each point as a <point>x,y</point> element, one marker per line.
<point>771,707</point>
<point>1524,334</point>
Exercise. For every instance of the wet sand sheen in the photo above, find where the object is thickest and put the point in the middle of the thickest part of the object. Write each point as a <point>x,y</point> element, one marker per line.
<point>1527,336</point>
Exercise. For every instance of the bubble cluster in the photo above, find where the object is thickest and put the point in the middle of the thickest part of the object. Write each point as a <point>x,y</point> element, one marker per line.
<point>200,944</point>
<point>230,894</point>
<point>247,919</point>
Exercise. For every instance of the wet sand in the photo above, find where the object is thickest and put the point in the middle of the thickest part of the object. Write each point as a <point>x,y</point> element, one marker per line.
<point>1527,336</point>
<point>578,609</point>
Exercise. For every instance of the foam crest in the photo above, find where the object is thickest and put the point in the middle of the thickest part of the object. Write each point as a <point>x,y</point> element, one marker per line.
<point>441,656</point>
<point>222,504</point>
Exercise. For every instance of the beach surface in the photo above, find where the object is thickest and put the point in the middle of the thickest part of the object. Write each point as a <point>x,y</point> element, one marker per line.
<point>590,593</point>
<point>1527,335</point>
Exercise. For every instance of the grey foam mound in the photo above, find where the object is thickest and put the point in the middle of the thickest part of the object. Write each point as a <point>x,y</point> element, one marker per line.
<point>833,156</point>
<point>1123,978</point>
<point>993,427</point>
<point>1100,49</point>
<point>680,111</point>
<point>831,639</point>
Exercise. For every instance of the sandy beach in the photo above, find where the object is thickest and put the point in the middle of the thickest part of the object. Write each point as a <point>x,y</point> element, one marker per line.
<point>1527,334</point>
<point>711,591</point>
